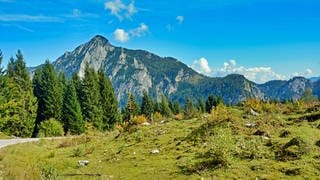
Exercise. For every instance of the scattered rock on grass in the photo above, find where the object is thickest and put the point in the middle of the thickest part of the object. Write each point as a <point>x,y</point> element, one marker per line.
<point>252,112</point>
<point>146,124</point>
<point>83,162</point>
<point>155,151</point>
<point>250,125</point>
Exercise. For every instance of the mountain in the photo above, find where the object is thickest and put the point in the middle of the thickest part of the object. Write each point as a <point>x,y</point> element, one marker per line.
<point>133,71</point>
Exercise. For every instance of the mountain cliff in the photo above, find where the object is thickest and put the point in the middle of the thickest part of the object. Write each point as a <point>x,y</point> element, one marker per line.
<point>133,71</point>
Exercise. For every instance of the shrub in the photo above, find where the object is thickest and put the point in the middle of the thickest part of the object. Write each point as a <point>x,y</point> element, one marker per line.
<point>139,119</point>
<point>178,116</point>
<point>219,113</point>
<point>157,117</point>
<point>50,128</point>
<point>78,152</point>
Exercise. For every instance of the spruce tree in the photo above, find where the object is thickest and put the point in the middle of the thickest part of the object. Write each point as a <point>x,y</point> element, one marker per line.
<point>147,106</point>
<point>131,110</point>
<point>210,103</point>
<point>201,107</point>
<point>18,104</point>
<point>176,108</point>
<point>78,86</point>
<point>189,110</point>
<point>90,102</point>
<point>156,106</point>
<point>47,89</point>
<point>108,102</point>
<point>164,107</point>
<point>71,111</point>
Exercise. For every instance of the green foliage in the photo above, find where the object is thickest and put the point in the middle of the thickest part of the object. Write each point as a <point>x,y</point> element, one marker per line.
<point>176,108</point>
<point>90,101</point>
<point>147,105</point>
<point>189,110</point>
<point>50,128</point>
<point>48,91</point>
<point>210,103</point>
<point>164,107</point>
<point>108,102</point>
<point>201,106</point>
<point>48,172</point>
<point>131,109</point>
<point>71,111</point>
<point>17,103</point>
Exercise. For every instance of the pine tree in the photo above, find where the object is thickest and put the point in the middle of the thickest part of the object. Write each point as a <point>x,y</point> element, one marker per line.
<point>210,103</point>
<point>90,101</point>
<point>78,85</point>
<point>189,110</point>
<point>200,106</point>
<point>47,89</point>
<point>164,107</point>
<point>108,102</point>
<point>156,106</point>
<point>176,108</point>
<point>18,104</point>
<point>131,110</point>
<point>71,111</point>
<point>147,106</point>
<point>63,81</point>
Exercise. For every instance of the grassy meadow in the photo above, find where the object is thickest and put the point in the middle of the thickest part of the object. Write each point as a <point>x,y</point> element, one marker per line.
<point>253,141</point>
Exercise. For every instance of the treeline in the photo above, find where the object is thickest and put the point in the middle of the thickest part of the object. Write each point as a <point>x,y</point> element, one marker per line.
<point>150,108</point>
<point>52,105</point>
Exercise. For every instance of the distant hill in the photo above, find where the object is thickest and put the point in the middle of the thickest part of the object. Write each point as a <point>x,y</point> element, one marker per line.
<point>132,71</point>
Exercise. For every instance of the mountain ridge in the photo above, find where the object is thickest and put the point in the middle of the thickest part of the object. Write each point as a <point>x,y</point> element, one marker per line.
<point>133,71</point>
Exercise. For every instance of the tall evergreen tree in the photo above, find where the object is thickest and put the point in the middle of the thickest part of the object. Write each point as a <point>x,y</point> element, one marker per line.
<point>47,89</point>
<point>210,103</point>
<point>147,106</point>
<point>176,107</point>
<point>63,81</point>
<point>18,104</point>
<point>71,111</point>
<point>78,85</point>
<point>156,106</point>
<point>189,109</point>
<point>108,102</point>
<point>200,106</point>
<point>131,109</point>
<point>90,103</point>
<point>164,107</point>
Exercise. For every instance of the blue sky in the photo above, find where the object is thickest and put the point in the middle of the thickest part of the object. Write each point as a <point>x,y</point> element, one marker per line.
<point>262,39</point>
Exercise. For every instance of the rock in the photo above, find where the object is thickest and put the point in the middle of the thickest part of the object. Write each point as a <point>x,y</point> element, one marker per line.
<point>83,162</point>
<point>252,112</point>
<point>162,122</point>
<point>250,125</point>
<point>155,151</point>
<point>146,124</point>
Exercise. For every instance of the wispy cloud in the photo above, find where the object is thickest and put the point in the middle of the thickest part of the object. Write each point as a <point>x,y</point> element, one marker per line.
<point>123,36</point>
<point>180,19</point>
<point>28,18</point>
<point>78,14</point>
<point>120,9</point>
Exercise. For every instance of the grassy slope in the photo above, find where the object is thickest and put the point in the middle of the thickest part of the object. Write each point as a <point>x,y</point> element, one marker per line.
<point>185,148</point>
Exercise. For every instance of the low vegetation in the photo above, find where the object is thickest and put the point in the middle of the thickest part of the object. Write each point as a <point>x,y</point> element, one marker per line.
<point>255,140</point>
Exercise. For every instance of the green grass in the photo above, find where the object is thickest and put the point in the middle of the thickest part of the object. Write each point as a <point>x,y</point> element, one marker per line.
<point>219,147</point>
<point>4,136</point>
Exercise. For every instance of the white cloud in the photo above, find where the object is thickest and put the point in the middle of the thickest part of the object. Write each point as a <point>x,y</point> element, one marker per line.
<point>202,66</point>
<point>121,35</point>
<point>139,31</point>
<point>308,72</point>
<point>121,10</point>
<point>256,74</point>
<point>180,19</point>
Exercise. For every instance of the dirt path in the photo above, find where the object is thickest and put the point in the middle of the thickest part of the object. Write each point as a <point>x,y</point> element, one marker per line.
<point>8,142</point>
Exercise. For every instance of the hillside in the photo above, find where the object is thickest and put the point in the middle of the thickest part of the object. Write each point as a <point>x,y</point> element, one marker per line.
<point>281,142</point>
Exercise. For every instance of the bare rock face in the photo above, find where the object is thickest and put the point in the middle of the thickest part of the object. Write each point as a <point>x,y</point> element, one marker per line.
<point>135,71</point>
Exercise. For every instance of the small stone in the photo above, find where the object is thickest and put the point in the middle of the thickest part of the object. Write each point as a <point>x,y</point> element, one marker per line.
<point>250,125</point>
<point>83,162</point>
<point>145,124</point>
<point>252,112</point>
<point>155,151</point>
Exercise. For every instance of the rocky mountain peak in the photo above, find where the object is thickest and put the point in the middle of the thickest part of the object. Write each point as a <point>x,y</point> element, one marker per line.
<point>99,39</point>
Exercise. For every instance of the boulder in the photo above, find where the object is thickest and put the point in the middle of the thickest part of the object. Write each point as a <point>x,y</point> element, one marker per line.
<point>155,151</point>
<point>83,162</point>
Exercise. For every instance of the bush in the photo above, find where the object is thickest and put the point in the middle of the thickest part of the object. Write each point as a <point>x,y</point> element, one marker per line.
<point>48,172</point>
<point>139,119</point>
<point>157,117</point>
<point>50,128</point>
<point>219,113</point>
